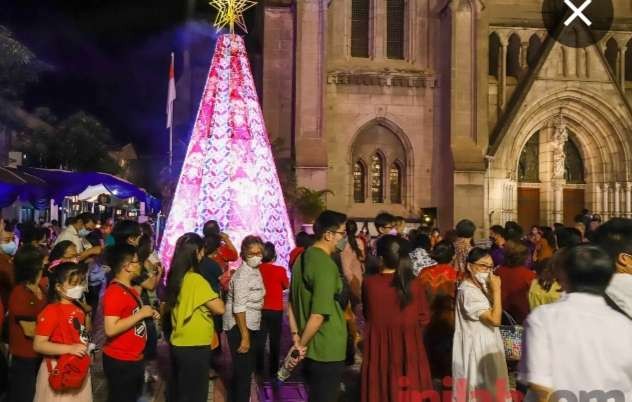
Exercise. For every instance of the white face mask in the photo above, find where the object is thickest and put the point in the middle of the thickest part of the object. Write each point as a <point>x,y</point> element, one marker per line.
<point>393,232</point>
<point>482,277</point>
<point>75,292</point>
<point>253,262</point>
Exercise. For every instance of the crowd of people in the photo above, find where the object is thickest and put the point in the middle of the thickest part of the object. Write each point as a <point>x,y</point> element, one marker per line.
<point>546,312</point>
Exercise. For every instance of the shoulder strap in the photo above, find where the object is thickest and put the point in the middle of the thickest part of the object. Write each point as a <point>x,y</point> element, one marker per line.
<point>130,291</point>
<point>615,306</point>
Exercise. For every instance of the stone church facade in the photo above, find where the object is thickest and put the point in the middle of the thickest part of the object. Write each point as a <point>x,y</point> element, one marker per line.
<point>466,106</point>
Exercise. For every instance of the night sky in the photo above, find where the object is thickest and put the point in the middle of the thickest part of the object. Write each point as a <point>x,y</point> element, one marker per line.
<point>111,58</point>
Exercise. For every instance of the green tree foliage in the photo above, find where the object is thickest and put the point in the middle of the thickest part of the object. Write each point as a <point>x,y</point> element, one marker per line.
<point>19,67</point>
<point>80,142</point>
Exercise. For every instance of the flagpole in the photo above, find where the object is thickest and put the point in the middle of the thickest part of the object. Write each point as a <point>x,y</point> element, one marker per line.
<point>170,98</point>
<point>170,147</point>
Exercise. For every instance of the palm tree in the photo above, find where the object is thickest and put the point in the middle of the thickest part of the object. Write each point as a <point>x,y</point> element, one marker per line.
<point>310,203</point>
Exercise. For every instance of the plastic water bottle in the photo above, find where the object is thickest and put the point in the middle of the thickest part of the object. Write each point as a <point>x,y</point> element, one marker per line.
<point>288,365</point>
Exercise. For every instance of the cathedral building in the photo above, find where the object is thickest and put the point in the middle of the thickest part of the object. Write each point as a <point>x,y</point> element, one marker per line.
<point>468,107</point>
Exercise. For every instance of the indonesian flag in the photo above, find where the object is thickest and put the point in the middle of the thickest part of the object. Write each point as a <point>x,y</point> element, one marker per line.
<point>171,95</point>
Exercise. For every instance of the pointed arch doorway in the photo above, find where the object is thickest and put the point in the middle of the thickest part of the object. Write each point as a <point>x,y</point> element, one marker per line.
<point>537,188</point>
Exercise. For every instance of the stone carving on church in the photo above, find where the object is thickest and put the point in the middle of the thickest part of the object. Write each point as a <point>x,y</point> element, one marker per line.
<point>560,137</point>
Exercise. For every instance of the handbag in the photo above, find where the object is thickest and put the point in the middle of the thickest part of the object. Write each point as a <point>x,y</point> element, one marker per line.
<point>69,374</point>
<point>512,338</point>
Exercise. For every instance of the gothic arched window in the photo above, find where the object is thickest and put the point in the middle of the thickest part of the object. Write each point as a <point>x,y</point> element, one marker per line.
<point>395,25</point>
<point>529,165</point>
<point>360,12</point>
<point>395,181</point>
<point>573,164</point>
<point>377,178</point>
<point>359,181</point>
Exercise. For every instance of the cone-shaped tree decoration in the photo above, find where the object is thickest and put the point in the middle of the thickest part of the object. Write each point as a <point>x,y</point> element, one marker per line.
<point>228,173</point>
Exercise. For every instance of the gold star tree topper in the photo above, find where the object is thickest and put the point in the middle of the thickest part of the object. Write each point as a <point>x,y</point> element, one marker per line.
<point>230,12</point>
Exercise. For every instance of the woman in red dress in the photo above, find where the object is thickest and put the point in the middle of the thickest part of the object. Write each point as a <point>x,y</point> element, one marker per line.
<point>394,362</point>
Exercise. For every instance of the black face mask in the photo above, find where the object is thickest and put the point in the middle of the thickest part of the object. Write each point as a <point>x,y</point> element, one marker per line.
<point>144,275</point>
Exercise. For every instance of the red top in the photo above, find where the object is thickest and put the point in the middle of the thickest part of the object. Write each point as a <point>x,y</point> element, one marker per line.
<point>393,341</point>
<point>121,302</point>
<point>62,323</point>
<point>23,306</point>
<point>275,281</point>
<point>225,255</point>
<point>440,279</point>
<point>294,254</point>
<point>515,284</point>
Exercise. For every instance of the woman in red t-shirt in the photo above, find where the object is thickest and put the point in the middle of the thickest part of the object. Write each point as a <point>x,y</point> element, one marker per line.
<point>27,300</point>
<point>60,330</point>
<point>275,281</point>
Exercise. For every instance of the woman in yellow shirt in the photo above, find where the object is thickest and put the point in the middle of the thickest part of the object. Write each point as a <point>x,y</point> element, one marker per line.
<point>544,288</point>
<point>192,304</point>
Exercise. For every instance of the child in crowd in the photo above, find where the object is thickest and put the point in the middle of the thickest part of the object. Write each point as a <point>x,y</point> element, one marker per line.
<point>60,331</point>
<point>124,321</point>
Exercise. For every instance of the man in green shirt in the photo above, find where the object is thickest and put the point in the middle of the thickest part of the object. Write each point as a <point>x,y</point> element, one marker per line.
<point>319,330</point>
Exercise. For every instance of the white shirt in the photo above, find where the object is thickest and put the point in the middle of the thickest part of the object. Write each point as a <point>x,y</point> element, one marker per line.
<point>578,344</point>
<point>620,291</point>
<point>70,233</point>
<point>478,354</point>
<point>245,294</point>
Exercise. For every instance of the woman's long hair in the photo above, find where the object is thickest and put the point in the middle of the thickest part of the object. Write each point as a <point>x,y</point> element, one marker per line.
<point>185,257</point>
<point>546,277</point>
<point>351,227</point>
<point>395,254</point>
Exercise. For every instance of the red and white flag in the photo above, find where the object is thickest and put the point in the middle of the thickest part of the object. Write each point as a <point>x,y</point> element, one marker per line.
<point>171,95</point>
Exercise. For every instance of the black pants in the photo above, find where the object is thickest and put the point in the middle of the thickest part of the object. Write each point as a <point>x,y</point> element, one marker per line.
<point>243,364</point>
<point>191,365</point>
<point>270,329</point>
<point>22,378</point>
<point>323,380</point>
<point>125,379</point>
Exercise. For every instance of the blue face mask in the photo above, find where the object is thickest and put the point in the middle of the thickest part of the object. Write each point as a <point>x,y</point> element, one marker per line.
<point>9,248</point>
<point>84,232</point>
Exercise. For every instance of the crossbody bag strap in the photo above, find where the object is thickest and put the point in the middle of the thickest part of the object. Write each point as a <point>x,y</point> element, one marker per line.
<point>615,306</point>
<point>130,291</point>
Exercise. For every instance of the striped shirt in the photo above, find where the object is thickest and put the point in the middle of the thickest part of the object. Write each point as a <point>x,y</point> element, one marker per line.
<point>245,294</point>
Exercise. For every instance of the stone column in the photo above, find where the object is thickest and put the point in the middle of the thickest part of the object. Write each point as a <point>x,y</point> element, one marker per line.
<point>628,200</point>
<point>560,136</point>
<point>524,46</point>
<point>617,200</point>
<point>558,201</point>
<point>596,207</point>
<point>621,67</point>
<point>605,205</point>
<point>502,80</point>
<point>309,131</point>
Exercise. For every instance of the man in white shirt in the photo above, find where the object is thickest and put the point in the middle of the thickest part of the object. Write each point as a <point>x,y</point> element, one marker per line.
<point>615,236</point>
<point>78,230</point>
<point>579,347</point>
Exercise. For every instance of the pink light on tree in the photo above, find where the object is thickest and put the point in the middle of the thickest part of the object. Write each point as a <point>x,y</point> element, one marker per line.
<point>228,173</point>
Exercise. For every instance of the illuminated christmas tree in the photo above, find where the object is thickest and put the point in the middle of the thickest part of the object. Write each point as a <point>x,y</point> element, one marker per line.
<point>229,173</point>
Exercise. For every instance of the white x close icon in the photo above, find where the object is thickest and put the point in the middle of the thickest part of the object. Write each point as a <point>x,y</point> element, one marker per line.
<point>577,12</point>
